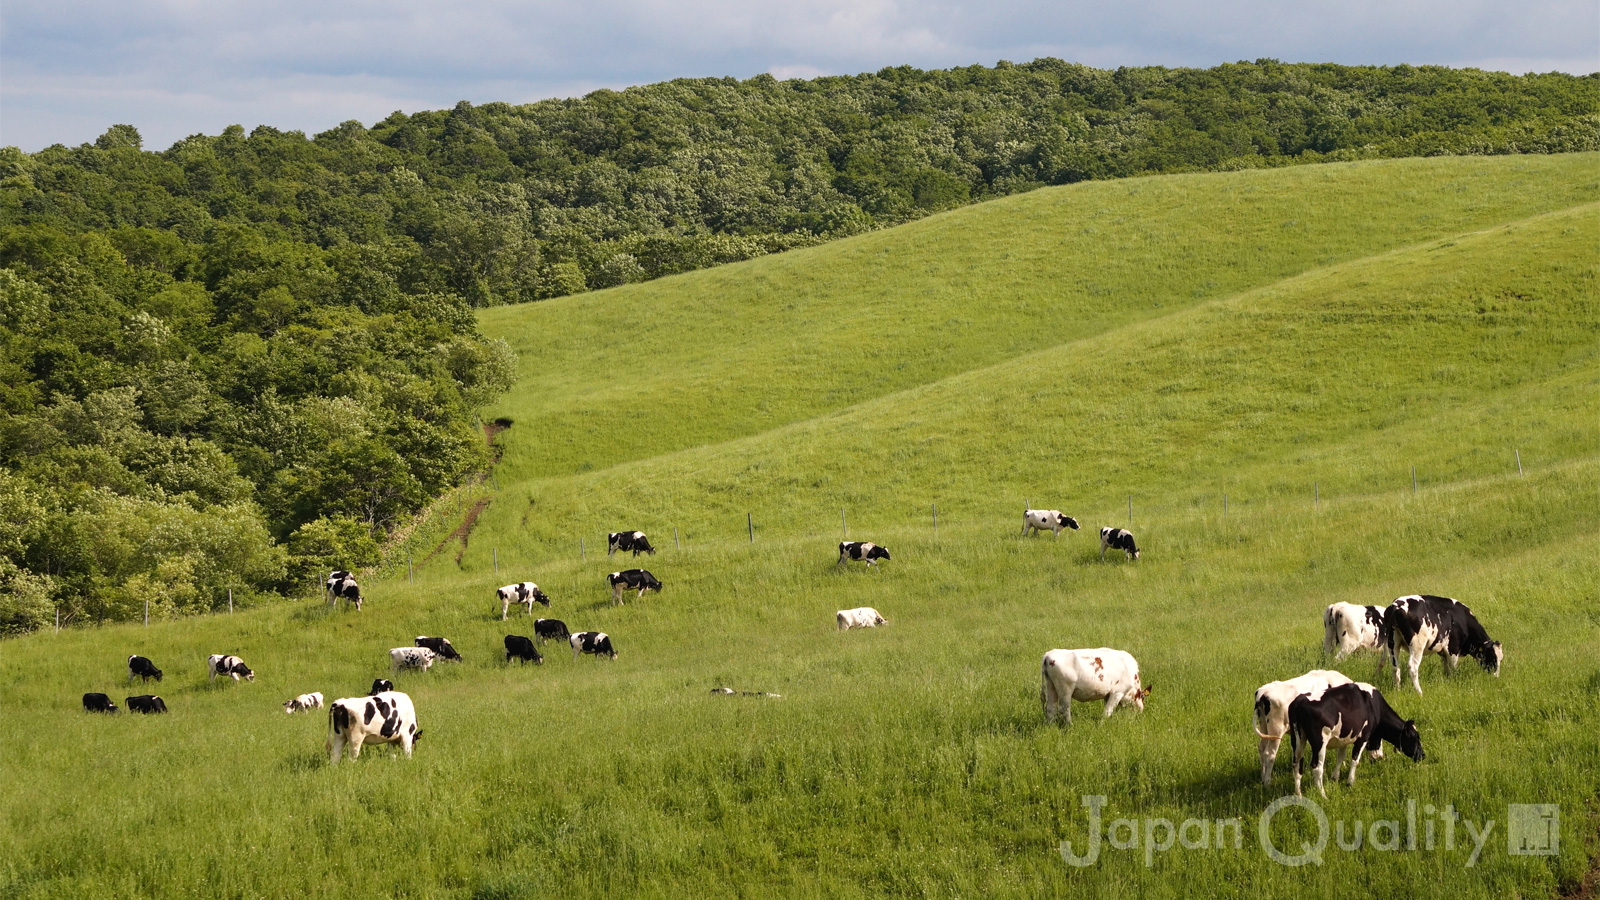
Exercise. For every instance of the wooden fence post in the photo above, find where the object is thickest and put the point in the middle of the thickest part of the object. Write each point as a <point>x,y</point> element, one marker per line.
<point>147,610</point>
<point>495,552</point>
<point>230,601</point>
<point>844,526</point>
<point>1413,479</point>
<point>1519,461</point>
<point>675,542</point>
<point>751,524</point>
<point>582,553</point>
<point>411,572</point>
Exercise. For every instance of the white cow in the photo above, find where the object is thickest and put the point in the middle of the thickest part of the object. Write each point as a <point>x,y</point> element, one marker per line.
<point>524,592</point>
<point>1348,627</point>
<point>1101,674</point>
<point>312,700</point>
<point>860,617</point>
<point>384,718</point>
<point>411,658</point>
<point>1272,711</point>
<point>1039,519</point>
<point>222,664</point>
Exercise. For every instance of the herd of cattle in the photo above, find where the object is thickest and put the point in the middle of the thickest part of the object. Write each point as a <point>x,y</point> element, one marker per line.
<point>1320,711</point>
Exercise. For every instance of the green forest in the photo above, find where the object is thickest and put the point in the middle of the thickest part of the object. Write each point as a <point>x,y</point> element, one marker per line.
<point>233,363</point>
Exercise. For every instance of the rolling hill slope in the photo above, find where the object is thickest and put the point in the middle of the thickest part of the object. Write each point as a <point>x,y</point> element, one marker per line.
<point>1440,314</point>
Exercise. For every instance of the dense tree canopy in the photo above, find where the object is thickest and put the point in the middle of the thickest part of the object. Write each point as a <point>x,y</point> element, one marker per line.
<point>232,362</point>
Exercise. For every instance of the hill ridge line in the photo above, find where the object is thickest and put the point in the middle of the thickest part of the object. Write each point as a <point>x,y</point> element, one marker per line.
<point>1175,314</point>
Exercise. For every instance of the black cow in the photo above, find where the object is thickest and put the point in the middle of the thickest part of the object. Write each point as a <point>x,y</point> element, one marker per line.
<point>440,646</point>
<point>342,584</point>
<point>862,550</point>
<point>98,703</point>
<point>628,540</point>
<point>1352,717</point>
<point>596,642</point>
<point>143,668</point>
<point>523,649</point>
<point>380,685</point>
<point>544,629</point>
<point>146,703</point>
<point>1118,539</point>
<point>631,579</point>
<point>1420,624</point>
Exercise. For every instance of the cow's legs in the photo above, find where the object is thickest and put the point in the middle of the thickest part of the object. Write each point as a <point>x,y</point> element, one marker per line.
<point>1322,764</point>
<point>1269,755</point>
<point>1355,757</point>
<point>1415,664</point>
<point>335,745</point>
<point>505,608</point>
<point>1111,704</point>
<point>1298,745</point>
<point>1450,662</point>
<point>641,594</point>
<point>1338,762</point>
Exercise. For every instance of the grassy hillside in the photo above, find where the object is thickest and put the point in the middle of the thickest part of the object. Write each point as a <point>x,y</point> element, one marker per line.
<point>1438,314</point>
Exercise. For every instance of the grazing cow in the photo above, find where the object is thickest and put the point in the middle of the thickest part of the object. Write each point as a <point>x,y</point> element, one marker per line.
<point>633,580</point>
<point>522,649</point>
<point>146,704</point>
<point>1118,539</point>
<point>385,718</point>
<point>860,617</point>
<point>1272,711</point>
<point>1103,674</point>
<point>545,629</point>
<point>525,592</point>
<point>1348,627</point>
<point>629,540</point>
<point>861,550</point>
<point>380,685</point>
<point>312,700</point>
<point>1420,624</point>
<point>1037,520</point>
<point>596,642</point>
<point>440,646</point>
<point>98,703</point>
<point>220,664</point>
<point>342,584</point>
<point>411,658</point>
<point>143,668</point>
<point>1353,716</point>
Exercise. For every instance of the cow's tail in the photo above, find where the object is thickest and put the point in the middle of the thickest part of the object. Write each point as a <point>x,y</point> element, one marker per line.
<point>1263,712</point>
<point>1330,629</point>
<point>1049,697</point>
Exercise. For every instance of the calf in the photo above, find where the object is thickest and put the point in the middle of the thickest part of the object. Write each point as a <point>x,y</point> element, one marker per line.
<point>439,645</point>
<point>860,617</point>
<point>1420,624</point>
<point>523,649</point>
<point>1353,716</point>
<point>1272,710</point>
<point>312,700</point>
<point>220,664</point>
<point>1037,520</point>
<point>1118,539</point>
<point>98,703</point>
<point>595,642</point>
<point>342,584</point>
<point>1103,674</point>
<point>146,704</point>
<point>1348,627</point>
<point>633,580</point>
<point>411,658</point>
<point>525,592</point>
<point>861,550</point>
<point>379,685</point>
<point>143,668</point>
<point>545,629</point>
<point>629,540</point>
<point>385,718</point>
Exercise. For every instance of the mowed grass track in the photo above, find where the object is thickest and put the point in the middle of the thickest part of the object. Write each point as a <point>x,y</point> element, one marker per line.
<point>912,760</point>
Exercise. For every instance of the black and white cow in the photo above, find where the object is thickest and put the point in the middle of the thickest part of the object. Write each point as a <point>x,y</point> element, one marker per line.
<point>1352,717</point>
<point>1037,520</point>
<point>146,703</point>
<point>628,540</point>
<point>862,550</point>
<point>98,703</point>
<point>1118,539</point>
<point>385,718</point>
<point>220,664</point>
<point>1348,627</point>
<point>312,700</point>
<point>525,592</point>
<point>595,642</point>
<point>1419,624</point>
<point>342,584</point>
<point>380,685</point>
<point>632,580</point>
<point>411,658</point>
<point>143,668</point>
<point>545,629</point>
<point>439,645</point>
<point>522,648</point>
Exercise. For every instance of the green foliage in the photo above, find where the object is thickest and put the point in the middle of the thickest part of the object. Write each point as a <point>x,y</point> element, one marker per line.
<point>319,547</point>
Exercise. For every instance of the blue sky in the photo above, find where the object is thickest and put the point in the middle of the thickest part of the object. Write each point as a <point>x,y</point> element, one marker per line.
<point>70,68</point>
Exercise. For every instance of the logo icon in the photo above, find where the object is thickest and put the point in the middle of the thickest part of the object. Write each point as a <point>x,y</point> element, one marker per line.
<point>1533,829</point>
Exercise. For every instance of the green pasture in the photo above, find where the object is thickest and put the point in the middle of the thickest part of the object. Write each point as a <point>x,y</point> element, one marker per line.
<point>1297,341</point>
